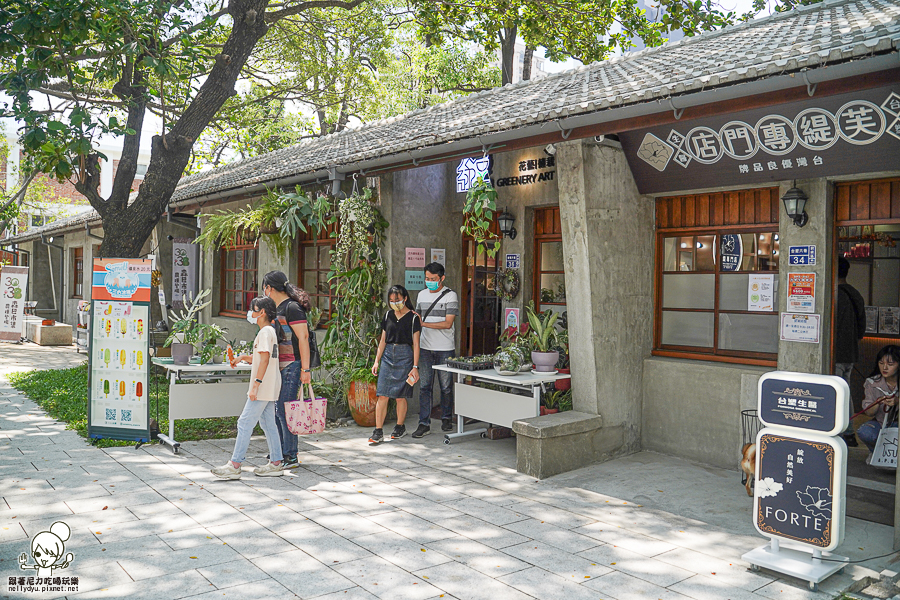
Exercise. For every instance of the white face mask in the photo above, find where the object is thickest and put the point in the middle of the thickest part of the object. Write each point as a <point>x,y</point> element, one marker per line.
<point>250,317</point>
<point>397,306</point>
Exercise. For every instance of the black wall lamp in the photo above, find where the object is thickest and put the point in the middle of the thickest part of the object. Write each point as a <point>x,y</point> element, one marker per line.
<point>795,204</point>
<point>506,220</point>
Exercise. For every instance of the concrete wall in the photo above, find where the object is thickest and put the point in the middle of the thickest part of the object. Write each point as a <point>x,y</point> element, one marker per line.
<point>608,243</point>
<point>692,409</point>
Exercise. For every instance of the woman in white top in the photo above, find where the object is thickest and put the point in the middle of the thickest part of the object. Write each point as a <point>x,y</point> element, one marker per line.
<point>265,385</point>
<point>880,402</point>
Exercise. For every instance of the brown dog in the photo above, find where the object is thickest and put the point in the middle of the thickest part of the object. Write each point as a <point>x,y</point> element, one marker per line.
<point>748,464</point>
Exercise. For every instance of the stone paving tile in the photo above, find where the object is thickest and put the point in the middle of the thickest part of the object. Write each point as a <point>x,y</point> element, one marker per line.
<point>438,477</point>
<point>738,573</point>
<point>436,512</point>
<point>649,569</point>
<point>428,490</point>
<point>379,577</point>
<point>249,539</point>
<point>464,582</point>
<point>357,501</point>
<point>187,584</point>
<point>568,566</point>
<point>630,540</point>
<point>276,517</point>
<point>93,520</point>
<point>141,528</point>
<point>401,551</point>
<point>210,511</point>
<point>94,554</point>
<point>356,593</point>
<point>117,500</point>
<point>188,538</point>
<point>412,527</point>
<point>343,521</point>
<point>545,586</point>
<point>551,514</point>
<point>33,511</point>
<point>711,588</point>
<point>621,586</point>
<point>230,574</point>
<point>97,577</point>
<point>563,539</point>
<point>791,590</point>
<point>154,509</point>
<point>178,561</point>
<point>324,544</point>
<point>302,574</point>
<point>493,514</point>
<point>487,534</point>
<point>235,493</point>
<point>488,494</point>
<point>258,590</point>
<point>478,556</point>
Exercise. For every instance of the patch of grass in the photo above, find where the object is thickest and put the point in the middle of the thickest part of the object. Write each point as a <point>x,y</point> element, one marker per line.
<point>63,394</point>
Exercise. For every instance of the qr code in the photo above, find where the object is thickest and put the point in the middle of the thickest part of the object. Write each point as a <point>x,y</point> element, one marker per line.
<point>126,415</point>
<point>110,414</point>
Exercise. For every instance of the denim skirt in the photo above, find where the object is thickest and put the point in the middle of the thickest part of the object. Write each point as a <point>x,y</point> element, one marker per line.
<point>396,363</point>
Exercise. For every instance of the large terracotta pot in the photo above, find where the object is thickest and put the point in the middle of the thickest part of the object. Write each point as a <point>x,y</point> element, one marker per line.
<point>563,384</point>
<point>361,399</point>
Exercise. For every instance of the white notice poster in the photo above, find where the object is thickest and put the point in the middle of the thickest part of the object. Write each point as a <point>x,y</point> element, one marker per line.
<point>761,292</point>
<point>800,328</point>
<point>13,283</point>
<point>439,255</point>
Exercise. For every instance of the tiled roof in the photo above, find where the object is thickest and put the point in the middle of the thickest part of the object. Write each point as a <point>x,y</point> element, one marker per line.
<point>808,37</point>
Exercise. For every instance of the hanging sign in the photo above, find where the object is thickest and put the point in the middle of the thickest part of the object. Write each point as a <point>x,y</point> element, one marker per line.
<point>804,401</point>
<point>800,488</point>
<point>13,283</point>
<point>118,369</point>
<point>185,258</point>
<point>801,255</point>
<point>415,280</point>
<point>800,328</point>
<point>801,292</point>
<point>761,292</point>
<point>818,137</point>
<point>731,249</point>
<point>469,170</point>
<point>439,255</point>
<point>415,257</point>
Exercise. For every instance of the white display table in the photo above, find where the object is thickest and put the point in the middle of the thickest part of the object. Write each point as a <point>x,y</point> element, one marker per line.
<point>491,406</point>
<point>221,392</point>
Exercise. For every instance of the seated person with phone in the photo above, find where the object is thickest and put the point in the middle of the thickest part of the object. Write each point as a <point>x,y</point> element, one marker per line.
<point>880,402</point>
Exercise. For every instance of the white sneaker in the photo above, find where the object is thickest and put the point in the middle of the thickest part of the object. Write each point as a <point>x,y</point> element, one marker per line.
<point>227,471</point>
<point>269,470</point>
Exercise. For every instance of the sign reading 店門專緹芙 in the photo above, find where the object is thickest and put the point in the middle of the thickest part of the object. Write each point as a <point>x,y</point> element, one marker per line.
<point>731,250</point>
<point>804,401</point>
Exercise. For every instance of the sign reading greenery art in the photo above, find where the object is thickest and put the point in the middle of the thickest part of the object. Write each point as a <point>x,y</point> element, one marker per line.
<point>831,135</point>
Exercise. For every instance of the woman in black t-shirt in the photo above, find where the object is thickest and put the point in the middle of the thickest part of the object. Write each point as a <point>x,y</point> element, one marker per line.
<point>397,361</point>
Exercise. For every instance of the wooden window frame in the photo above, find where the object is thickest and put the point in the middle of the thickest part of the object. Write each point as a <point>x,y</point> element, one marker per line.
<point>547,228</point>
<point>316,245</point>
<point>223,272</point>
<point>77,272</point>
<point>714,353</point>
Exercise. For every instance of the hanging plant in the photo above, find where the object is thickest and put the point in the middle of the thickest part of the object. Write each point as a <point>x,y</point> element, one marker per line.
<point>478,214</point>
<point>508,283</point>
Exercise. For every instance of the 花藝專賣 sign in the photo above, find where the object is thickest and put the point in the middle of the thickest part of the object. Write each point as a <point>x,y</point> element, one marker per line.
<point>819,137</point>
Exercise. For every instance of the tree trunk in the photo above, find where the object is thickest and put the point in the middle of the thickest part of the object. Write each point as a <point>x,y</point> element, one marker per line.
<point>526,63</point>
<point>127,227</point>
<point>507,52</point>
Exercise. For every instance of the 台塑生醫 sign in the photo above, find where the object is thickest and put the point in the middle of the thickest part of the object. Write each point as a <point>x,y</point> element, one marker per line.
<point>804,401</point>
<point>818,137</point>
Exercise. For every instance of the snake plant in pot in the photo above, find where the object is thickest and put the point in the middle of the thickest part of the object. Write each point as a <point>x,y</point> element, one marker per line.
<point>542,333</point>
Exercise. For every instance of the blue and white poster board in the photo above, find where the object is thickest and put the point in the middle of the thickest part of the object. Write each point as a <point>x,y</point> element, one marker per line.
<point>801,474</point>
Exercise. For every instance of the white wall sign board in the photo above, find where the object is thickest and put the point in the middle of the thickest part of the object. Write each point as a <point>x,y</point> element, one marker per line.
<point>801,472</point>
<point>439,255</point>
<point>800,328</point>
<point>13,283</point>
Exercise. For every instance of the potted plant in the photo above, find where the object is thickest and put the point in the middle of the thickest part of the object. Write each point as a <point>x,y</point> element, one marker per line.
<point>478,214</point>
<point>210,350</point>
<point>562,365</point>
<point>556,401</point>
<point>542,333</point>
<point>508,361</point>
<point>185,332</point>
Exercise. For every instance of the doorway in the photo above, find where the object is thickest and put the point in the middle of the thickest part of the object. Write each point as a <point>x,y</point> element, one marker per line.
<point>480,304</point>
<point>867,232</point>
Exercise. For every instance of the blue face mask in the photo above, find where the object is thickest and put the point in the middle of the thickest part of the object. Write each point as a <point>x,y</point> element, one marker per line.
<point>433,285</point>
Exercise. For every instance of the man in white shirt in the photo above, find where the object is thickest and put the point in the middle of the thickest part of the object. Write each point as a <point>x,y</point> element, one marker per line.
<point>438,306</point>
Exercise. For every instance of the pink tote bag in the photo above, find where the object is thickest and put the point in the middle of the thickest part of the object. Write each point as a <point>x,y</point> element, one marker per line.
<point>306,415</point>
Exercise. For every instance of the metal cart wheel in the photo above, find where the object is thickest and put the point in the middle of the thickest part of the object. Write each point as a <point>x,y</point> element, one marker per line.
<point>483,435</point>
<point>754,567</point>
<point>447,441</point>
<point>813,586</point>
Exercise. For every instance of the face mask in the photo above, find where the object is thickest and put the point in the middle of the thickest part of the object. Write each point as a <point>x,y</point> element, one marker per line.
<point>397,306</point>
<point>433,285</point>
<point>250,317</point>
